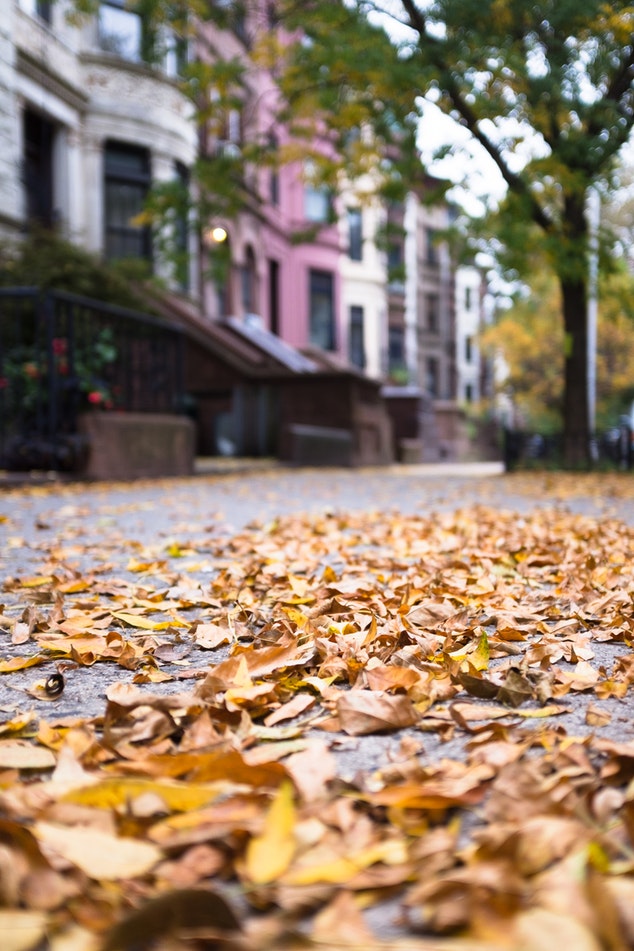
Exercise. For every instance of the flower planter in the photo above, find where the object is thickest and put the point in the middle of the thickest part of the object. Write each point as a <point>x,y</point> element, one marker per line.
<point>137,445</point>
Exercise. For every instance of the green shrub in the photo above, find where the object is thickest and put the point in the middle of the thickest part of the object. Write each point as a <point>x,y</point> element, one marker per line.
<point>44,260</point>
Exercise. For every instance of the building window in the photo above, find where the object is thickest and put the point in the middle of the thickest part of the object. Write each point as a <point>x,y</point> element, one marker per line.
<point>316,204</point>
<point>396,267</point>
<point>39,8</point>
<point>225,131</point>
<point>274,296</point>
<point>120,30</point>
<point>176,54</point>
<point>127,181</point>
<point>356,342</point>
<point>43,10</point>
<point>274,179</point>
<point>39,136</point>
<point>247,281</point>
<point>431,245</point>
<point>220,271</point>
<point>181,227</point>
<point>432,377</point>
<point>396,348</point>
<point>317,198</point>
<point>322,310</point>
<point>355,235</point>
<point>272,17</point>
<point>467,298</point>
<point>432,307</point>
<point>468,349</point>
<point>468,393</point>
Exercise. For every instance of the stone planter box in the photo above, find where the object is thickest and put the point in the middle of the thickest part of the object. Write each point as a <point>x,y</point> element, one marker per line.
<point>137,445</point>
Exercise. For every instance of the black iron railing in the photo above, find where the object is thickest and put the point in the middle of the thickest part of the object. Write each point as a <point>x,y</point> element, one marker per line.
<point>61,355</point>
<point>613,448</point>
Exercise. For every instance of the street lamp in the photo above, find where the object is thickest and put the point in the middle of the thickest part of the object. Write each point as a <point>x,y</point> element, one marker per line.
<point>218,234</point>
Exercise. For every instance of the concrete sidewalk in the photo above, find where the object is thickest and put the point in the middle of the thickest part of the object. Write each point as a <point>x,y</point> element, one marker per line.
<point>234,465</point>
<point>212,465</point>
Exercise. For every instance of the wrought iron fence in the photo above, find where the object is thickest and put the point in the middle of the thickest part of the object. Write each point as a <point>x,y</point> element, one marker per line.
<point>61,355</point>
<point>613,448</point>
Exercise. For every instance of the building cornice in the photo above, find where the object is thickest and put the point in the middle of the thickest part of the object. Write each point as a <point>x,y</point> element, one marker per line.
<point>38,72</point>
<point>121,65</point>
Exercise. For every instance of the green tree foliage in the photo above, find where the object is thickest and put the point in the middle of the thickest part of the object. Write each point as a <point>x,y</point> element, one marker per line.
<point>545,88</point>
<point>48,262</point>
<point>529,340</point>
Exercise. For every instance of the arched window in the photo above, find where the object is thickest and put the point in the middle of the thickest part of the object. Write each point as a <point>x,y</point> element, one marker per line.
<point>249,303</point>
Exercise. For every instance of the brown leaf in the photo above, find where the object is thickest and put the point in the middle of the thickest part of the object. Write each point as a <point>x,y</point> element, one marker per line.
<point>188,910</point>
<point>361,712</point>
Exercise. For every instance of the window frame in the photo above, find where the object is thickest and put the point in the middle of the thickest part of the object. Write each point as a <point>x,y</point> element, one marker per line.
<point>356,336</point>
<point>355,234</point>
<point>396,347</point>
<point>321,288</point>
<point>432,313</point>
<point>432,256</point>
<point>114,175</point>
<point>117,40</point>
<point>432,377</point>
<point>38,174</point>
<point>318,199</point>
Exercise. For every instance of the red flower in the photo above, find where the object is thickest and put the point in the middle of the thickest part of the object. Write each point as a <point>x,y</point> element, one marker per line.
<point>31,370</point>
<point>60,345</point>
<point>3,383</point>
<point>95,397</point>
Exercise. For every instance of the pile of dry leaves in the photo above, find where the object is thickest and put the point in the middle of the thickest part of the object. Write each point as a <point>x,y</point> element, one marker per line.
<point>336,732</point>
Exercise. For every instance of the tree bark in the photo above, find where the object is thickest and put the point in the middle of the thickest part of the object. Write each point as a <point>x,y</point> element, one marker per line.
<point>572,268</point>
<point>576,446</point>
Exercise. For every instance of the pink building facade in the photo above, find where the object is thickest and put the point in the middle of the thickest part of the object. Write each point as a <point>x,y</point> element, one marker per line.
<point>289,286</point>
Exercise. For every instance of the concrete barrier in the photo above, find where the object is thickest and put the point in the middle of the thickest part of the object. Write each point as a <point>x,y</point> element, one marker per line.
<point>137,445</point>
<point>320,446</point>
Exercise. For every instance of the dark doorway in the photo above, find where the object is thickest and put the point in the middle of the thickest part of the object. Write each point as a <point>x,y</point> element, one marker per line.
<point>39,136</point>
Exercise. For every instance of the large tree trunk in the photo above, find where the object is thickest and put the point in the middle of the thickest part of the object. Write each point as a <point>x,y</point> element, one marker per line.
<point>576,448</point>
<point>572,267</point>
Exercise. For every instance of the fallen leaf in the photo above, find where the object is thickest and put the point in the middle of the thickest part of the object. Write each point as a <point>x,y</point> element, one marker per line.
<point>269,854</point>
<point>22,930</point>
<point>361,712</point>
<point>99,855</point>
<point>176,912</point>
<point>19,754</point>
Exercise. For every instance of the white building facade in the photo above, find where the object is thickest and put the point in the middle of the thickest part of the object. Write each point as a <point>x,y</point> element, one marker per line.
<point>363,274</point>
<point>87,126</point>
<point>470,297</point>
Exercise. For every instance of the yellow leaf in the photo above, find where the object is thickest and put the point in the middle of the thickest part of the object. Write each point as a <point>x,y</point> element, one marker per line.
<point>20,724</point>
<point>19,663</point>
<point>21,930</point>
<point>111,793</point>
<point>551,711</point>
<point>74,938</point>
<point>269,855</point>
<point>73,587</point>
<point>17,754</point>
<point>539,929</point>
<point>480,656</point>
<point>137,620</point>
<point>342,869</point>
<point>99,855</point>
<point>36,582</point>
